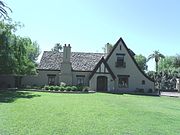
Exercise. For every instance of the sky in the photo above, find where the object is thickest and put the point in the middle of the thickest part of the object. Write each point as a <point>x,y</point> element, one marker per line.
<point>144,25</point>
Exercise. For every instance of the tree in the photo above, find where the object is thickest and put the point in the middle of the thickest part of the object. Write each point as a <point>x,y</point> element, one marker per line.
<point>18,55</point>
<point>3,10</point>
<point>156,55</point>
<point>25,54</point>
<point>177,61</point>
<point>57,47</point>
<point>6,50</point>
<point>141,61</point>
<point>166,64</point>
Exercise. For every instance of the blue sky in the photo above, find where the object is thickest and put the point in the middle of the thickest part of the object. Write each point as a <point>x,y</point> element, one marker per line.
<point>145,25</point>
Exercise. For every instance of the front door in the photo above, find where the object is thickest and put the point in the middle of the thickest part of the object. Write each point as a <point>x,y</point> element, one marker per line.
<point>102,83</point>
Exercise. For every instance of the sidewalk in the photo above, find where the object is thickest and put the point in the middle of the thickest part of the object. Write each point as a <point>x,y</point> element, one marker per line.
<point>170,94</point>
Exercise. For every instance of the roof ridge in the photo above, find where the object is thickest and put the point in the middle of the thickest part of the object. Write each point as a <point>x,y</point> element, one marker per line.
<point>80,52</point>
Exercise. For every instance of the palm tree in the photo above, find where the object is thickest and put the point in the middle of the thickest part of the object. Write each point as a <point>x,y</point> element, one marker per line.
<point>3,11</point>
<point>157,56</point>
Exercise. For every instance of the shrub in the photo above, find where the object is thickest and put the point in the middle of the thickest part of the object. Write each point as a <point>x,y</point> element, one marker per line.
<point>68,88</point>
<point>51,87</point>
<point>46,87</point>
<point>86,89</point>
<point>79,88</point>
<point>74,88</point>
<point>56,88</point>
<point>61,88</point>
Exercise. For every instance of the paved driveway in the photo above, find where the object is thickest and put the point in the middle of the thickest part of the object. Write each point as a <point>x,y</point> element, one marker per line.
<point>170,94</point>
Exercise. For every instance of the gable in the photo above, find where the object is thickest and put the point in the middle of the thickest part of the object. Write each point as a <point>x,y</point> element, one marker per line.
<point>130,64</point>
<point>102,68</point>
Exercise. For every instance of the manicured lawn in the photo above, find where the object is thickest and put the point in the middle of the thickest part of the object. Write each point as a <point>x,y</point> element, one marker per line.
<point>37,113</point>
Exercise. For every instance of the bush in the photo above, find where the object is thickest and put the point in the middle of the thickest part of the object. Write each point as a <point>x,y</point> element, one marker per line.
<point>61,88</point>
<point>74,88</point>
<point>68,88</point>
<point>86,89</point>
<point>46,87</point>
<point>56,88</point>
<point>80,88</point>
<point>51,87</point>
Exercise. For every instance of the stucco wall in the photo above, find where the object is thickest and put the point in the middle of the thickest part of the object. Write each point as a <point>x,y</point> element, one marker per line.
<point>86,78</point>
<point>7,81</point>
<point>40,79</point>
<point>136,77</point>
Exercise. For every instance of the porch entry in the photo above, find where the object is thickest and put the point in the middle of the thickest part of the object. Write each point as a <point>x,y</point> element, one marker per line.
<point>102,83</point>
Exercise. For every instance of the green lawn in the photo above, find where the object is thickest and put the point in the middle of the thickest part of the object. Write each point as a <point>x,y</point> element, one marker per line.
<point>38,113</point>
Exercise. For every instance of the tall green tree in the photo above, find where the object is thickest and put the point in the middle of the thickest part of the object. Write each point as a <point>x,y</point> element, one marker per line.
<point>141,61</point>
<point>170,65</point>
<point>156,55</point>
<point>18,55</point>
<point>166,64</point>
<point>177,61</point>
<point>6,50</point>
<point>3,10</point>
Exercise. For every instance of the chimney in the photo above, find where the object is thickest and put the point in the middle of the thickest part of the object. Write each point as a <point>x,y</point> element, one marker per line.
<point>108,48</point>
<point>66,53</point>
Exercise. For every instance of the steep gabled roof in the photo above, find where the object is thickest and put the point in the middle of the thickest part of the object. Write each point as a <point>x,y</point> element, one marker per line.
<point>130,54</point>
<point>80,61</point>
<point>106,66</point>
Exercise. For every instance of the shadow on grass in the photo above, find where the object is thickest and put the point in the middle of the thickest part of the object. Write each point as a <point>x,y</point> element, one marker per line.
<point>9,96</point>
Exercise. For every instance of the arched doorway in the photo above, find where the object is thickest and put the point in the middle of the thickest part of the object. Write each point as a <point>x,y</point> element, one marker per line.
<point>102,83</point>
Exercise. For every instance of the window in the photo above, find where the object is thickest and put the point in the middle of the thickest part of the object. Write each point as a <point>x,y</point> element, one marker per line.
<point>51,79</point>
<point>80,79</point>
<point>120,60</point>
<point>143,82</point>
<point>123,81</point>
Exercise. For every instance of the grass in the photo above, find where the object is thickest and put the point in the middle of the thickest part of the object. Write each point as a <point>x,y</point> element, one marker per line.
<point>38,113</point>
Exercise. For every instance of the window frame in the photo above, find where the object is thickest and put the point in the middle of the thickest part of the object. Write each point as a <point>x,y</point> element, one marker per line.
<point>120,60</point>
<point>51,79</point>
<point>123,81</point>
<point>143,82</point>
<point>80,80</point>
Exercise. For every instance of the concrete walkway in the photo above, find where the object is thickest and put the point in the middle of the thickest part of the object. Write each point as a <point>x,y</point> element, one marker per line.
<point>170,94</point>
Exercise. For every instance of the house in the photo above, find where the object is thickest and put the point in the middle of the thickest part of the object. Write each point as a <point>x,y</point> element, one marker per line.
<point>114,71</point>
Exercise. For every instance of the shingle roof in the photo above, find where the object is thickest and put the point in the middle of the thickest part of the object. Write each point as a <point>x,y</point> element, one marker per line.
<point>80,61</point>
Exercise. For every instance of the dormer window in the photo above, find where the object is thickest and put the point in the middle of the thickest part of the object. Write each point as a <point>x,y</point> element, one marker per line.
<point>120,60</point>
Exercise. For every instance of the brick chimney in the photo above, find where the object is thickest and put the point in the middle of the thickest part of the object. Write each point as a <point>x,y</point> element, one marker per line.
<point>66,66</point>
<point>66,53</point>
